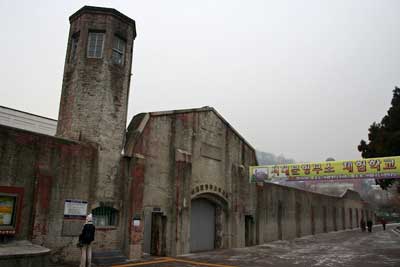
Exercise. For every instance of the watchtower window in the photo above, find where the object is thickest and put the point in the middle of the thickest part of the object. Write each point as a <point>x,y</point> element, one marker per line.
<point>95,45</point>
<point>105,216</point>
<point>118,50</point>
<point>74,46</point>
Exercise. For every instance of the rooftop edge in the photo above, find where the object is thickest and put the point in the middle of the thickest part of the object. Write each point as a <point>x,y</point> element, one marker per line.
<point>102,10</point>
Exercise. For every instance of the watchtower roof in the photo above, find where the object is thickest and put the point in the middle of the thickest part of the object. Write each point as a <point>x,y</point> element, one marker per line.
<point>102,10</point>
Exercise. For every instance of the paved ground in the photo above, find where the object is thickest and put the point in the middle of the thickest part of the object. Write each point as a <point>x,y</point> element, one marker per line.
<point>339,249</point>
<point>345,248</point>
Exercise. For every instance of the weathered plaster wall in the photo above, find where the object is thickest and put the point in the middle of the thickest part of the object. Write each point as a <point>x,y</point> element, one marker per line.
<point>94,98</point>
<point>303,213</point>
<point>188,155</point>
<point>94,103</point>
<point>50,170</point>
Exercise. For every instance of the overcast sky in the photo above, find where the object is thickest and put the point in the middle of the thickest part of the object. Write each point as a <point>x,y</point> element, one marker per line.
<point>301,78</point>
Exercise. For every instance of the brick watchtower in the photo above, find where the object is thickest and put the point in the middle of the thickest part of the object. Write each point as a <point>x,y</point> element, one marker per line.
<point>94,98</point>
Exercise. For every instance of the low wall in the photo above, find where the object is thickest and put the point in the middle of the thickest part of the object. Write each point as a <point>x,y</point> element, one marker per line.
<point>23,254</point>
<point>286,213</point>
<point>47,171</point>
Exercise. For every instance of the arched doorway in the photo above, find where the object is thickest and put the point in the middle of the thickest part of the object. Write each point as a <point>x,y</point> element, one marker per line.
<point>207,222</point>
<point>202,225</point>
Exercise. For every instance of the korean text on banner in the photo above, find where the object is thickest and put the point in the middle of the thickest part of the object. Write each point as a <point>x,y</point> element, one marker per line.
<point>374,168</point>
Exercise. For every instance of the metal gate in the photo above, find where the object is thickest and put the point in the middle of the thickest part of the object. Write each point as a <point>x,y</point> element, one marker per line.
<point>202,225</point>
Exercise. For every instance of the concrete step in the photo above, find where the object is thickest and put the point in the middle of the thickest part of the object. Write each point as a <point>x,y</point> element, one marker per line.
<point>108,258</point>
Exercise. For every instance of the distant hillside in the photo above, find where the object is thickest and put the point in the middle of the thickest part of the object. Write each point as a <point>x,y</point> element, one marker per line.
<point>265,158</point>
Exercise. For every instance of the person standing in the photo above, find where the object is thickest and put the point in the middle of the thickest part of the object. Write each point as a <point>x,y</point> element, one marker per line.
<point>383,221</point>
<point>362,224</point>
<point>369,225</point>
<point>85,240</point>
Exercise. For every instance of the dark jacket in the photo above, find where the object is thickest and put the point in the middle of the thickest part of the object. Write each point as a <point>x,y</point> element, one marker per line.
<point>87,235</point>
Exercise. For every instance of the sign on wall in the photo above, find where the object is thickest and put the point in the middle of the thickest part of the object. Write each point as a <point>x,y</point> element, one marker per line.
<point>7,210</point>
<point>75,209</point>
<point>374,168</point>
<point>11,199</point>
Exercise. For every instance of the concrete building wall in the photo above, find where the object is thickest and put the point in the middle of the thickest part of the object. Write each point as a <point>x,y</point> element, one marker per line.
<point>194,153</point>
<point>170,159</point>
<point>157,174</point>
<point>50,170</point>
<point>189,155</point>
<point>94,98</point>
<point>311,217</point>
<point>93,105</point>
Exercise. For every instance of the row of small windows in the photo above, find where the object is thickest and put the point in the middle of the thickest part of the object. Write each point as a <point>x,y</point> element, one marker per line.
<point>95,47</point>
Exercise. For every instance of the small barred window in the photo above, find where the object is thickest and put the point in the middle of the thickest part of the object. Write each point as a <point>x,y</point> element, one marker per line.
<point>105,216</point>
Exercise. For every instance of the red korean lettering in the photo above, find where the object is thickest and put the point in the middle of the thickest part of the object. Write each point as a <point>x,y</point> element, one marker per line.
<point>375,164</point>
<point>295,170</point>
<point>317,168</point>
<point>348,166</point>
<point>361,166</point>
<point>389,164</point>
<point>329,168</point>
<point>306,168</point>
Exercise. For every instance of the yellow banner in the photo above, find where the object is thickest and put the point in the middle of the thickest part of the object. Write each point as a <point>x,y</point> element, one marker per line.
<point>374,168</point>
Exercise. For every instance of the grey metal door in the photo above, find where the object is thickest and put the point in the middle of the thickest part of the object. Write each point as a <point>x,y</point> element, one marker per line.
<point>202,225</point>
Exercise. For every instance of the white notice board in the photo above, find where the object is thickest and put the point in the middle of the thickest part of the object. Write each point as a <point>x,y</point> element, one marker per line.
<point>75,209</point>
